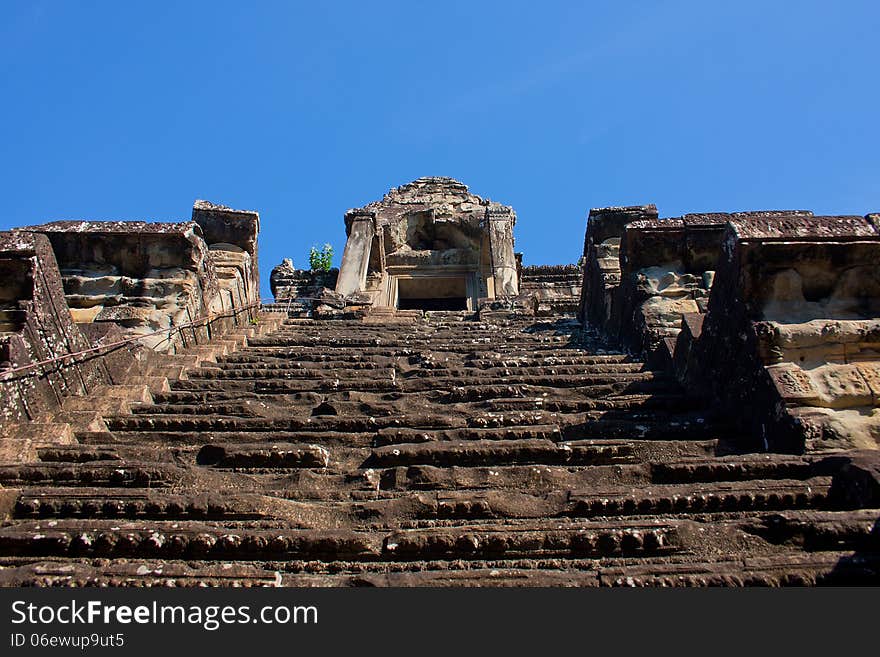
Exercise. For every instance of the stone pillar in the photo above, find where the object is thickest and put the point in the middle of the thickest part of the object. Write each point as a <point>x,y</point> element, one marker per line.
<point>500,222</point>
<point>356,257</point>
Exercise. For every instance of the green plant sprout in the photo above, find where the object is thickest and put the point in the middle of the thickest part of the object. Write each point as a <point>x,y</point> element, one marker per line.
<point>321,260</point>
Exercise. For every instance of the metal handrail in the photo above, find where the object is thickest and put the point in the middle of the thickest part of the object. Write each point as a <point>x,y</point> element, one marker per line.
<point>4,374</point>
<point>7,373</point>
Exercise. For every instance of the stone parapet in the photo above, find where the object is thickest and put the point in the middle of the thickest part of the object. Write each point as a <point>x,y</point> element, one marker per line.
<point>300,287</point>
<point>601,261</point>
<point>146,277</point>
<point>76,293</point>
<point>555,289</point>
<point>792,333</point>
<point>37,327</point>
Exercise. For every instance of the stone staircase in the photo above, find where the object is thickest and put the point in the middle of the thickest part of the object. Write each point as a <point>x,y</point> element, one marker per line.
<point>432,450</point>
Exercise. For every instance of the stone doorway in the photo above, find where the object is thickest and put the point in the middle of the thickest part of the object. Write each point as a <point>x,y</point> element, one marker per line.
<point>432,293</point>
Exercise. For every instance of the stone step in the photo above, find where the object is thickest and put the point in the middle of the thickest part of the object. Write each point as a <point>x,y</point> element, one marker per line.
<point>818,569</point>
<point>297,358</point>
<point>402,435</point>
<point>99,503</point>
<point>463,505</point>
<point>151,423</point>
<point>722,498</point>
<point>711,497</point>
<point>237,409</point>
<point>172,373</point>
<point>474,392</point>
<point>184,360</point>
<point>255,455</point>
<point>823,568</point>
<point>245,403</point>
<point>366,369</point>
<point>21,442</point>
<point>136,572</point>
<point>674,402</point>
<point>494,452</point>
<point>110,398</point>
<point>536,478</point>
<point>165,539</point>
<point>421,380</point>
<point>85,420</point>
<point>92,438</point>
<point>138,475</point>
<point>78,453</point>
<point>535,540</point>
<point>567,360</point>
<point>457,387</point>
<point>639,427</point>
<point>286,367</point>
<point>380,346</point>
<point>606,396</point>
<point>635,371</point>
<point>598,425</point>
<point>735,468</point>
<point>207,352</point>
<point>819,530</point>
<point>469,353</point>
<point>197,438</point>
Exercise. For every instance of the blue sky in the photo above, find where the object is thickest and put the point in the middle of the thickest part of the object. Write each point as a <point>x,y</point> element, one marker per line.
<point>131,110</point>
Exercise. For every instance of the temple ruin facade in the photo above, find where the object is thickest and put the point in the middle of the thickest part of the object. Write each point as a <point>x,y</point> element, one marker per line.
<point>429,245</point>
<point>695,402</point>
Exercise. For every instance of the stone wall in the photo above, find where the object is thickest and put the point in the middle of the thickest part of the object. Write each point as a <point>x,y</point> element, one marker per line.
<point>601,262</point>
<point>74,292</point>
<point>773,315</point>
<point>231,236</point>
<point>554,289</point>
<point>146,277</point>
<point>666,271</point>
<point>643,274</point>
<point>300,288</point>
<point>36,326</point>
<point>790,344</point>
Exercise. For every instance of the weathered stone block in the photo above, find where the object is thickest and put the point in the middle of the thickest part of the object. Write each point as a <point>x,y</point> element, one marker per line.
<point>796,297</point>
<point>857,483</point>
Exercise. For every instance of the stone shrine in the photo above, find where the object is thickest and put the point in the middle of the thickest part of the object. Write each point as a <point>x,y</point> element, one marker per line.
<point>429,245</point>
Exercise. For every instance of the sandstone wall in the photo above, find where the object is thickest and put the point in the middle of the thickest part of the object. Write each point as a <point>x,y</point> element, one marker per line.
<point>231,236</point>
<point>601,262</point>
<point>146,277</point>
<point>773,315</point>
<point>36,326</point>
<point>554,289</point>
<point>67,288</point>
<point>667,268</point>
<point>643,275</point>
<point>791,340</point>
<point>299,288</point>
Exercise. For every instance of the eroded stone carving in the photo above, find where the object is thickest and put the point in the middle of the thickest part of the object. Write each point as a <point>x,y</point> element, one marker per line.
<point>35,327</point>
<point>146,277</point>
<point>793,332</point>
